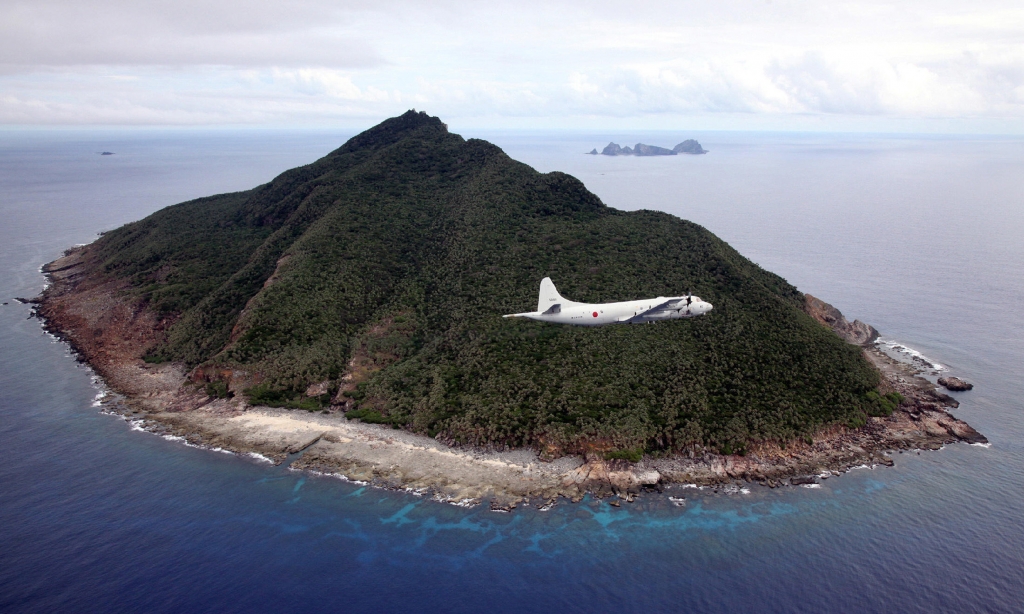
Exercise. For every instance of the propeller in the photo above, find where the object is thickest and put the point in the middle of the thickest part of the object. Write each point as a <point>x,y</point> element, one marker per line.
<point>689,299</point>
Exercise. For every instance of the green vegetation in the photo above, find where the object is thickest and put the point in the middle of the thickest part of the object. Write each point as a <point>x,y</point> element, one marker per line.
<point>396,255</point>
<point>882,406</point>
<point>633,455</point>
<point>218,389</point>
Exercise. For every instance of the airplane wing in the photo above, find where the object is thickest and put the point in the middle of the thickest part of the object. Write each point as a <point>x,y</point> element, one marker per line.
<point>664,304</point>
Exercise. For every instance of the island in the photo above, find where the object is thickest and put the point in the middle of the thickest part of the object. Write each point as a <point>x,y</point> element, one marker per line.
<point>346,318</point>
<point>688,146</point>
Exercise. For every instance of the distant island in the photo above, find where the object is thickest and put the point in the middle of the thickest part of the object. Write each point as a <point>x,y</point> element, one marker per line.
<point>689,146</point>
<point>106,153</point>
<point>350,309</point>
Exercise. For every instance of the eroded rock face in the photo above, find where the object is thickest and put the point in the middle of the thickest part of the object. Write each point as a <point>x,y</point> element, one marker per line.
<point>614,477</point>
<point>955,384</point>
<point>689,146</point>
<point>856,332</point>
<point>315,390</point>
<point>613,149</point>
<point>651,150</point>
<point>110,331</point>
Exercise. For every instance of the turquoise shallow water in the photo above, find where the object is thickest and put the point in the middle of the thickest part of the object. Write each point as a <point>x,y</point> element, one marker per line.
<point>919,236</point>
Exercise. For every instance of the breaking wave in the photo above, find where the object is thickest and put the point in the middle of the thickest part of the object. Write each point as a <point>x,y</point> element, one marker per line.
<point>911,354</point>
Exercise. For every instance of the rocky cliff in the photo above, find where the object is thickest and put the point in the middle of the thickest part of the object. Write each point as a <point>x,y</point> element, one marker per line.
<point>856,332</point>
<point>651,150</point>
<point>689,146</point>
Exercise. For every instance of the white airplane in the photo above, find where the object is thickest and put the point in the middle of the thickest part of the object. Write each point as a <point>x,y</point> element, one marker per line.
<point>551,307</point>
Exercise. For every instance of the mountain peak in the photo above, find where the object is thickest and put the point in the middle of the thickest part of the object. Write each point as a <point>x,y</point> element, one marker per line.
<point>394,129</point>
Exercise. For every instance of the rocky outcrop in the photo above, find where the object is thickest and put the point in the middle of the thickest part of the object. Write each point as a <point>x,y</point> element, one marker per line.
<point>856,332</point>
<point>689,146</point>
<point>955,384</point>
<point>651,150</point>
<point>613,477</point>
<point>107,328</point>
<point>593,152</point>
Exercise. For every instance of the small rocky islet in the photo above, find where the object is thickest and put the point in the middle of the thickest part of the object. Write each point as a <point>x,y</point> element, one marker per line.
<point>689,146</point>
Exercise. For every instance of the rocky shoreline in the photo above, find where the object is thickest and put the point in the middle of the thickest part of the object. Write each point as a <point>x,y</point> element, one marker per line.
<point>111,333</point>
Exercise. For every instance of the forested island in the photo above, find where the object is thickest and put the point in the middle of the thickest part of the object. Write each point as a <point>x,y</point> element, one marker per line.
<point>351,309</point>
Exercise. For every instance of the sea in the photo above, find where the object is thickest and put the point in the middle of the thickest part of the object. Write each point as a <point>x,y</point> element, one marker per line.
<point>918,235</point>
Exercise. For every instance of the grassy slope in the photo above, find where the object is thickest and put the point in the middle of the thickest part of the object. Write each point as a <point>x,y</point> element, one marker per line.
<point>408,243</point>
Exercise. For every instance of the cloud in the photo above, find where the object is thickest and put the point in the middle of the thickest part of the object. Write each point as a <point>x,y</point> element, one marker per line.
<point>327,82</point>
<point>57,33</point>
<point>328,61</point>
<point>212,96</point>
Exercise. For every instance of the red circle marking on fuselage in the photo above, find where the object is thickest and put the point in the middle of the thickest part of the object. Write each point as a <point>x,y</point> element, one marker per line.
<point>595,314</point>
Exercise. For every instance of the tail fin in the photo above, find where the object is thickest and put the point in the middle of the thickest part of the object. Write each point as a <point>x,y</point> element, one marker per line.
<point>549,296</point>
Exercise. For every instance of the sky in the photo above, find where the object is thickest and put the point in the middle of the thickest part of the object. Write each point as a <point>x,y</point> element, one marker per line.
<point>914,66</point>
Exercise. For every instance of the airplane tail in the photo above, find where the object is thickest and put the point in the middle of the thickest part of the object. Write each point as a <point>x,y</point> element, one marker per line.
<point>549,296</point>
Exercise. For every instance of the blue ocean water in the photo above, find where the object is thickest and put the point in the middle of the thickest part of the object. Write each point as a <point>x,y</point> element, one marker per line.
<point>919,236</point>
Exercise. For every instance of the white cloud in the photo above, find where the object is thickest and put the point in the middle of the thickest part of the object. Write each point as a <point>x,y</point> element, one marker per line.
<point>120,61</point>
<point>327,82</point>
<point>182,33</point>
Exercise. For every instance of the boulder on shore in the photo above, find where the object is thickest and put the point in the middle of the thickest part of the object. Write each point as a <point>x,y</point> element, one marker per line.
<point>955,384</point>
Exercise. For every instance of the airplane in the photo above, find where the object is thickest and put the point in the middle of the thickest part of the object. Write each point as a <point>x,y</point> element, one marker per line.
<point>551,307</point>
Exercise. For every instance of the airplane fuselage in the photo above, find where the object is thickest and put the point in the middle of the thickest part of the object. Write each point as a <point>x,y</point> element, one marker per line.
<point>626,312</point>
<point>554,308</point>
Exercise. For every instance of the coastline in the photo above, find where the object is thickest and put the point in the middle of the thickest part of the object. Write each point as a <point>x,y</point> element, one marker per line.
<point>111,333</point>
